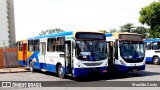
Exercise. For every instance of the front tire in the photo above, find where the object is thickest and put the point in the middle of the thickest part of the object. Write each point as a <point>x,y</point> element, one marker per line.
<point>32,67</point>
<point>156,60</point>
<point>60,71</point>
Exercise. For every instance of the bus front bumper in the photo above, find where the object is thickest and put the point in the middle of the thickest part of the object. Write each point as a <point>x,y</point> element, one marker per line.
<point>122,68</point>
<point>81,72</point>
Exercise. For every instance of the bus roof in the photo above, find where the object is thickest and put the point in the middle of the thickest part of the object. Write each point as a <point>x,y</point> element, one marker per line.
<point>117,34</point>
<point>55,35</point>
<point>123,36</point>
<point>52,35</point>
<point>152,40</point>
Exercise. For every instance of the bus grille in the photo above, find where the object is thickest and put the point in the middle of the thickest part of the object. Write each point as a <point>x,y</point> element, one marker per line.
<point>92,64</point>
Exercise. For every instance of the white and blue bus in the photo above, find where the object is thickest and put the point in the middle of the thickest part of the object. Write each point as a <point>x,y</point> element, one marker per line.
<point>127,52</point>
<point>75,53</point>
<point>152,46</point>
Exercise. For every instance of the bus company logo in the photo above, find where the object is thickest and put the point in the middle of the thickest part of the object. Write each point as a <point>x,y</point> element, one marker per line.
<point>6,84</point>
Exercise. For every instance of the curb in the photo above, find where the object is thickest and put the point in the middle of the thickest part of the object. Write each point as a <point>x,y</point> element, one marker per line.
<point>2,71</point>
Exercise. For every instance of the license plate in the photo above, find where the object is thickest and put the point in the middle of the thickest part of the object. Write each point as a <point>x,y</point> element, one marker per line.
<point>135,70</point>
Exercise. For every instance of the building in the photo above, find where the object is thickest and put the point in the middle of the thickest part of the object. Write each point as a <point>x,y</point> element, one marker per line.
<point>7,25</point>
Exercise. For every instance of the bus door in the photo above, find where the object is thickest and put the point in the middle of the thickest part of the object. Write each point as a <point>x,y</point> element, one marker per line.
<point>68,57</point>
<point>24,51</point>
<point>111,56</point>
<point>43,53</point>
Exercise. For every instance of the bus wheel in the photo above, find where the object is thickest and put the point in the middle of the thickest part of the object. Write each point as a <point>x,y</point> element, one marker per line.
<point>31,67</point>
<point>60,71</point>
<point>156,60</point>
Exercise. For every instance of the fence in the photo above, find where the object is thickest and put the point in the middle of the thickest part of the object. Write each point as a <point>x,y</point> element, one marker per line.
<point>8,57</point>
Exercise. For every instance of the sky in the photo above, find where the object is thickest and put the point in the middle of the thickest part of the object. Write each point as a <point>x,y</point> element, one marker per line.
<point>33,16</point>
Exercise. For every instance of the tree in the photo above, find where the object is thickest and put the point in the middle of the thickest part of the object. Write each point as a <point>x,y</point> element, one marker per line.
<point>141,30</point>
<point>50,31</point>
<point>150,15</point>
<point>113,30</point>
<point>129,27</point>
<point>103,31</point>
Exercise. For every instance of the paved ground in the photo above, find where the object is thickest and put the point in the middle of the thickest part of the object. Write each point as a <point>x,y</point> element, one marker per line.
<point>152,73</point>
<point>14,70</point>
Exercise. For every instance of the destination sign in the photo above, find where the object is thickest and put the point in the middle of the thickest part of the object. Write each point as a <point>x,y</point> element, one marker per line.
<point>85,35</point>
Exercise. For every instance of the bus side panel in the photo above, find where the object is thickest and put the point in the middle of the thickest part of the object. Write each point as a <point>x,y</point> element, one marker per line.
<point>52,58</point>
<point>51,67</point>
<point>34,56</point>
<point>78,72</point>
<point>22,53</point>
<point>149,59</point>
<point>20,58</point>
<point>149,55</point>
<point>121,68</point>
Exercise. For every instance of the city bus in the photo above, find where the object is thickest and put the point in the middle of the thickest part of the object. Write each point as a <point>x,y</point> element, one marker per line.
<point>126,52</point>
<point>75,53</point>
<point>152,46</point>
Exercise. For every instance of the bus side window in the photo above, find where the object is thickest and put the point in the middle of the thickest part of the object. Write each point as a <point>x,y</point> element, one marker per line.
<point>148,46</point>
<point>30,45</point>
<point>158,45</point>
<point>60,44</point>
<point>20,46</point>
<point>36,45</point>
<point>51,44</point>
<point>154,46</point>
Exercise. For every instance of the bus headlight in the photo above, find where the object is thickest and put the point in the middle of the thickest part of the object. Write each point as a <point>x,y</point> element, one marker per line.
<point>122,63</point>
<point>144,62</point>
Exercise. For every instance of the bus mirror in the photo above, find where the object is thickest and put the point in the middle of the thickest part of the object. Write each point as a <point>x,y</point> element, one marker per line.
<point>66,50</point>
<point>73,45</point>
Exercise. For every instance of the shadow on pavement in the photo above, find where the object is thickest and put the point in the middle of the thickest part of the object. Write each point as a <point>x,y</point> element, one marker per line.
<point>107,76</point>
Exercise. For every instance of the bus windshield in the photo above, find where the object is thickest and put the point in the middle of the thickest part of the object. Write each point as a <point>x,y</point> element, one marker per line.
<point>91,50</point>
<point>132,51</point>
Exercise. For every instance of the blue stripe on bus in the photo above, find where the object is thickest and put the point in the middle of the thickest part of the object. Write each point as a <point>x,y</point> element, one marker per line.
<point>108,34</point>
<point>34,55</point>
<point>26,62</point>
<point>78,72</point>
<point>52,35</point>
<point>51,68</point>
<point>22,63</point>
<point>152,40</point>
<point>148,59</point>
<point>121,68</point>
<point>37,65</point>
